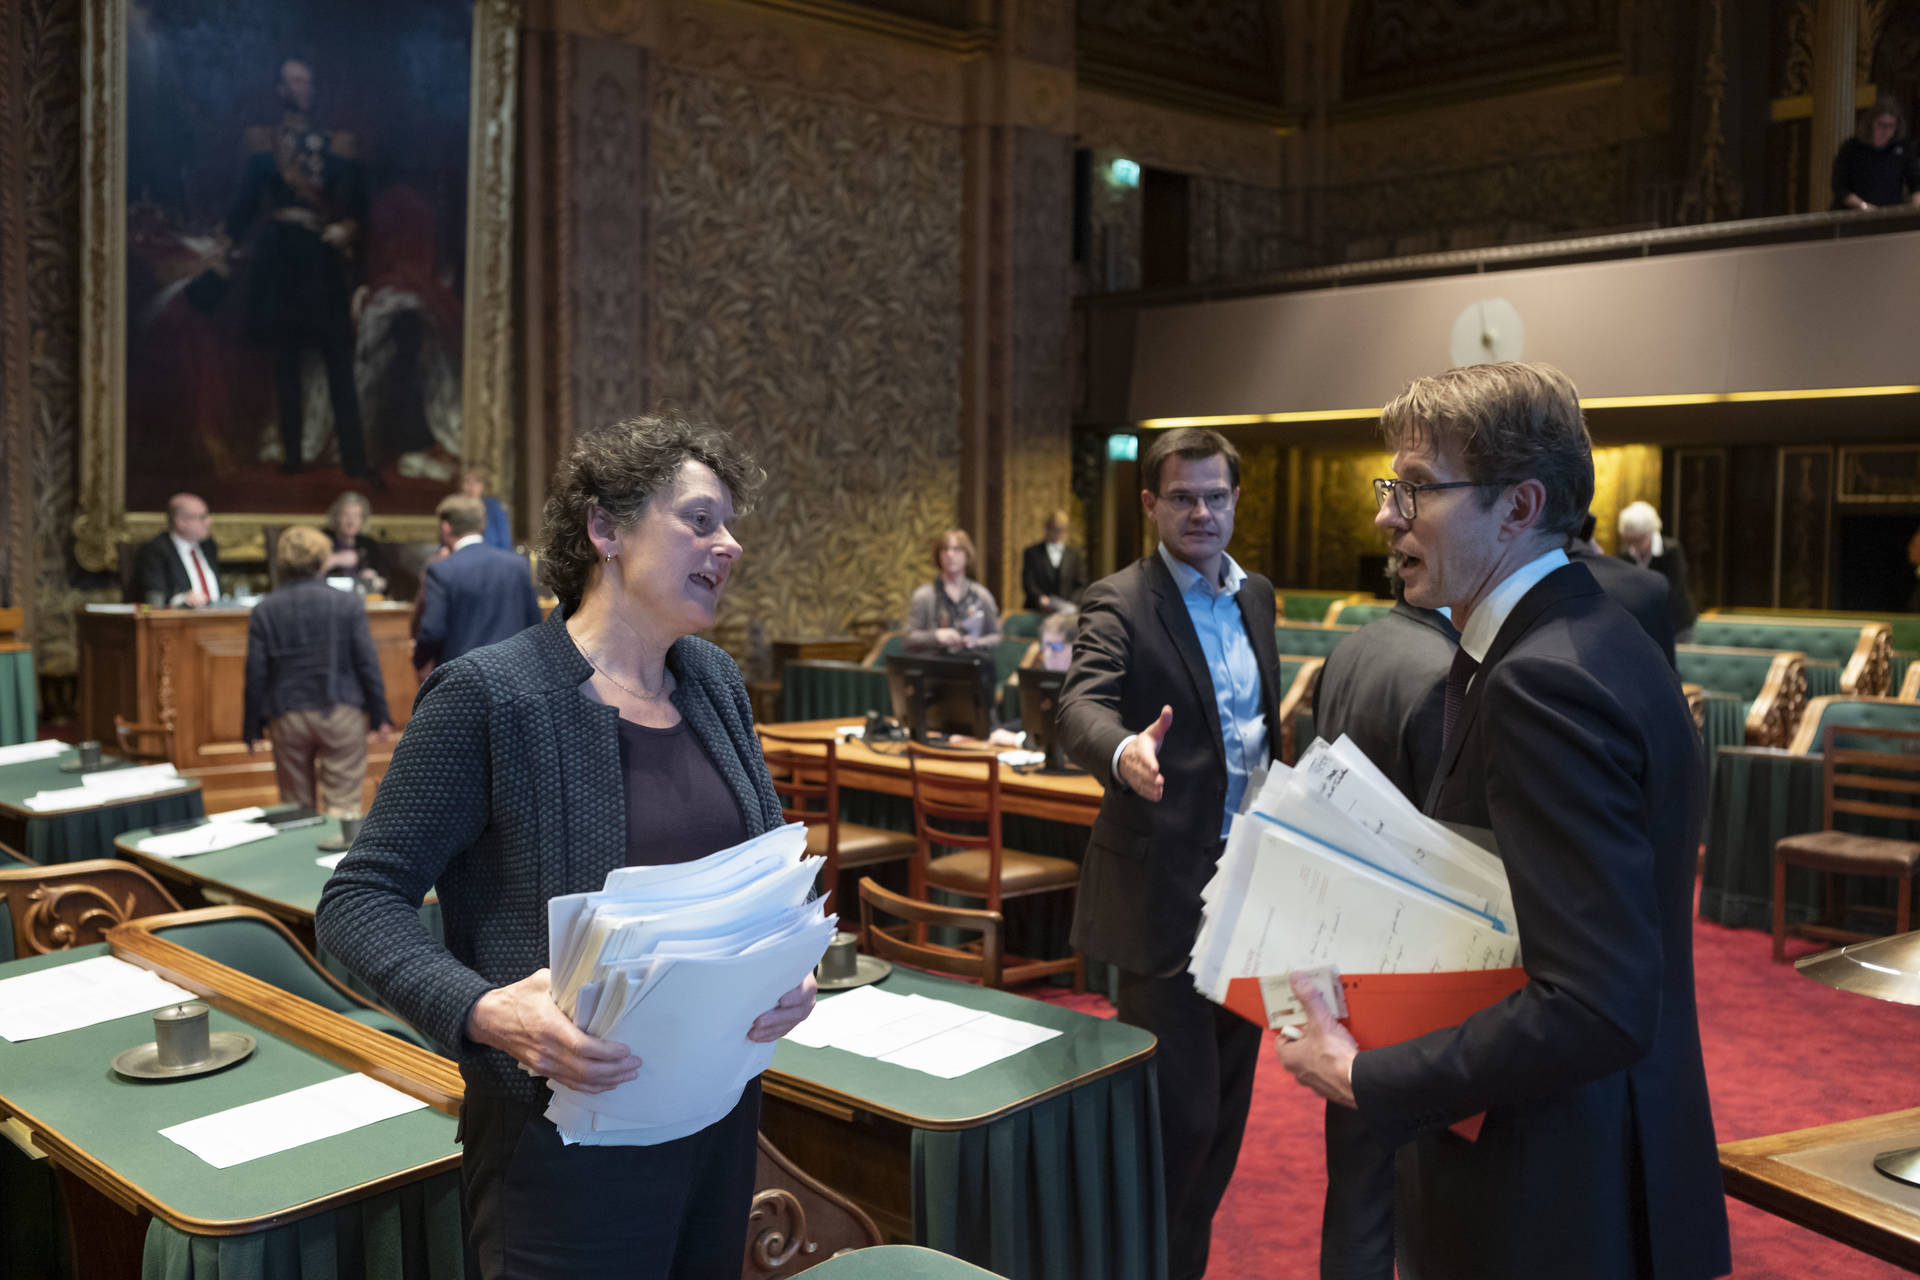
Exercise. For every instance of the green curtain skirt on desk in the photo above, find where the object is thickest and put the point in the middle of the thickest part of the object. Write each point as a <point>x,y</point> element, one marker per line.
<point>72,837</point>
<point>1725,723</point>
<point>1062,1190</point>
<point>410,1233</point>
<point>1756,799</point>
<point>19,704</point>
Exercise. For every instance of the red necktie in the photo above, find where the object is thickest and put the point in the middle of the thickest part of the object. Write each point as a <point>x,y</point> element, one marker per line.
<point>200,572</point>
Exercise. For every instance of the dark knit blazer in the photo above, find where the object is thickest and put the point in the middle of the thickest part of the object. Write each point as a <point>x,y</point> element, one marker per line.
<point>505,791</point>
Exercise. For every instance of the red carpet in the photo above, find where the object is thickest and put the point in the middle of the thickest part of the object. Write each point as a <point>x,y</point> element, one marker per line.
<point>1783,1052</point>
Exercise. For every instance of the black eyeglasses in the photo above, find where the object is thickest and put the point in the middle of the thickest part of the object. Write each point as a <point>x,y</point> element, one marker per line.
<point>1405,493</point>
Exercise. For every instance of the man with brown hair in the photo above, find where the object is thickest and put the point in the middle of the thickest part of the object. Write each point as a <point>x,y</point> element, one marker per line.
<point>1566,733</point>
<point>1170,701</point>
<point>473,595</point>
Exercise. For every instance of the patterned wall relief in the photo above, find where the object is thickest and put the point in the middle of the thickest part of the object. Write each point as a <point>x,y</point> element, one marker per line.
<point>16,489</point>
<point>1393,45</point>
<point>1115,226</point>
<point>1340,514</point>
<point>50,90</point>
<point>807,275</point>
<point>607,270</point>
<point>1235,229</point>
<point>1252,543</point>
<point>1229,46</point>
<point>1622,474</point>
<point>1169,138</point>
<point>1696,516</point>
<point>1803,525</point>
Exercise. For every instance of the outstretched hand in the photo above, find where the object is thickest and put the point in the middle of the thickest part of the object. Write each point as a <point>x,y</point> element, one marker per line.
<point>522,1020</point>
<point>1140,762</point>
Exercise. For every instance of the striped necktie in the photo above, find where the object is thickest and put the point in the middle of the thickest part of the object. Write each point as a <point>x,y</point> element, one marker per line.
<point>1459,675</point>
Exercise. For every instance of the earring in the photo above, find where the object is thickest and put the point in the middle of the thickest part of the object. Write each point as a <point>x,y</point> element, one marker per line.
<point>609,557</point>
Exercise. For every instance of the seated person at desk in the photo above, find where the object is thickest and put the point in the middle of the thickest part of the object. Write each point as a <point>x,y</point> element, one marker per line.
<point>1879,165</point>
<point>354,553</point>
<point>610,735</point>
<point>313,681</point>
<point>179,568</point>
<point>953,611</point>
<point>1053,574</point>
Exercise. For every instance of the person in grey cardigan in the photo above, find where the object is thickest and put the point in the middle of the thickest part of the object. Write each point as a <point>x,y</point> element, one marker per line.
<point>609,735</point>
<point>953,611</point>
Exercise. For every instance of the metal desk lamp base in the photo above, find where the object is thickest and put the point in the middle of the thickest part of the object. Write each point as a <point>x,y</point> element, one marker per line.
<point>1902,1165</point>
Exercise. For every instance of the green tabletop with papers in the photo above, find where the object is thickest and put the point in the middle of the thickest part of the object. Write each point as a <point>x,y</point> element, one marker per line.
<point>71,827</point>
<point>1042,1165</point>
<point>339,1204</point>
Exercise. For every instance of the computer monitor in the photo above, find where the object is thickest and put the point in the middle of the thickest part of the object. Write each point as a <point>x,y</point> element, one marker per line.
<point>945,693</point>
<point>1039,707</point>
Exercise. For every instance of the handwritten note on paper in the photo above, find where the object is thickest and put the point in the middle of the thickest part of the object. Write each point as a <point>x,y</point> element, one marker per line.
<point>244,1133</point>
<point>70,996</point>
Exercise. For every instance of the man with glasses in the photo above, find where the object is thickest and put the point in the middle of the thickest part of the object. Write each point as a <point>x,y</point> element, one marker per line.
<point>1169,701</point>
<point>179,567</point>
<point>1567,735</point>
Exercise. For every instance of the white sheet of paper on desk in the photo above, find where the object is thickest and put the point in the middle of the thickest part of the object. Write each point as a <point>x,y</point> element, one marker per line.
<point>293,1119</point>
<point>917,1032</point>
<point>330,860</point>
<point>70,996</point>
<point>103,788</point>
<point>24,752</point>
<point>247,814</point>
<point>205,839</point>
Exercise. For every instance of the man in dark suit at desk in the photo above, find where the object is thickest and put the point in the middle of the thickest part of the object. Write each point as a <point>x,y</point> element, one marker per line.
<point>1569,737</point>
<point>472,596</point>
<point>1169,702</point>
<point>1053,574</point>
<point>1641,592</point>
<point>179,567</point>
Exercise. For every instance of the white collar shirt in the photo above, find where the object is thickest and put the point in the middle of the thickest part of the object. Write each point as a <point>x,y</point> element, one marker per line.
<point>1484,623</point>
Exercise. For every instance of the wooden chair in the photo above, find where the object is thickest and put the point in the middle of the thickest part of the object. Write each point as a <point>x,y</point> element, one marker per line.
<point>72,904</point>
<point>959,793</point>
<point>980,962</point>
<point>797,1221</point>
<point>1875,775</point>
<point>146,743</point>
<point>809,789</point>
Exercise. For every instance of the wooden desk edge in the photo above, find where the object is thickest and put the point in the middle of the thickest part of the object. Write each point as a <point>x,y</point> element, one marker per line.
<point>1751,1172</point>
<point>191,787</point>
<point>179,871</point>
<point>819,1097</point>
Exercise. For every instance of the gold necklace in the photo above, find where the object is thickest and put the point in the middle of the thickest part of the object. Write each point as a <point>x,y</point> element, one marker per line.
<point>594,662</point>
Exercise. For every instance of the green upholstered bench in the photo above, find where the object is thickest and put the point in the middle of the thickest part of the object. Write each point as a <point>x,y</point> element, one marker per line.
<point>1904,626</point>
<point>1865,713</point>
<point>1299,678</point>
<point>1304,605</point>
<point>1862,652</point>
<point>1358,613</point>
<point>1296,640</point>
<point>1771,686</point>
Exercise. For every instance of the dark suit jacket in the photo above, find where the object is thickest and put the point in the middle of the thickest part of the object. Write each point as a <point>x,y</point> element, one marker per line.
<point>1597,1156</point>
<point>1641,592</point>
<point>478,595</point>
<point>309,648</point>
<point>1039,578</point>
<point>1137,651</point>
<point>158,575</point>
<point>1385,687</point>
<point>1671,564</point>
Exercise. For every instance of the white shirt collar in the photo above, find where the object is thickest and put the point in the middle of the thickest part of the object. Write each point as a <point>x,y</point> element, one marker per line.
<point>1659,547</point>
<point>1491,614</point>
<point>1056,552</point>
<point>468,541</point>
<point>182,547</point>
<point>1185,575</point>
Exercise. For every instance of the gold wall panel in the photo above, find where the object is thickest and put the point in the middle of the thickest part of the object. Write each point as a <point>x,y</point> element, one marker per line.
<point>1340,513</point>
<point>807,270</point>
<point>1622,474</point>
<point>1252,544</point>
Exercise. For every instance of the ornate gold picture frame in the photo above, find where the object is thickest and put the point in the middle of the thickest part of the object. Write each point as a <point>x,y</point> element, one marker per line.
<point>485,321</point>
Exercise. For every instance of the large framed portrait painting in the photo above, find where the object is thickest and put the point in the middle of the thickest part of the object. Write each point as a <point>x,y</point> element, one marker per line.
<point>297,230</point>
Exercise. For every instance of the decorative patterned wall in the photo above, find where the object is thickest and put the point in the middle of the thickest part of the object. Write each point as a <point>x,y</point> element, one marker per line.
<point>808,269</point>
<point>1234,229</point>
<point>607,268</point>
<point>1394,45</point>
<point>1252,543</point>
<point>1340,513</point>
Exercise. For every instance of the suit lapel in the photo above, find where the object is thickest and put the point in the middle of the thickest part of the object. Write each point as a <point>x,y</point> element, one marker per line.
<point>1256,615</point>
<point>1564,583</point>
<point>1179,624</point>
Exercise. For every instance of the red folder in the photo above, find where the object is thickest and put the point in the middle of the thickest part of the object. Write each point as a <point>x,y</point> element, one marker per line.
<point>1386,1008</point>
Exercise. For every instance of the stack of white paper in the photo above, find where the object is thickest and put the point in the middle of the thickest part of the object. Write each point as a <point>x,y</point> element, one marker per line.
<point>1331,866</point>
<point>23,752</point>
<point>676,962</point>
<point>107,787</point>
<point>206,838</point>
<point>70,996</point>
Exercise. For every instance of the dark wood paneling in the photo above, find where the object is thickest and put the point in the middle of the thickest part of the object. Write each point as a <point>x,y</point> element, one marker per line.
<point>1752,484</point>
<point>1696,517</point>
<point>1803,527</point>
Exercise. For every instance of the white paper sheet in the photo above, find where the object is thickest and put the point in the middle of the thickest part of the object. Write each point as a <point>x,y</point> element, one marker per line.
<point>247,814</point>
<point>70,996</point>
<point>330,860</point>
<point>105,788</point>
<point>23,752</point>
<point>244,1133</point>
<point>916,1032</point>
<point>205,839</point>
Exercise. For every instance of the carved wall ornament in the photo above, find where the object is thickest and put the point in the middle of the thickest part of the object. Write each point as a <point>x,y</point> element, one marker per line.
<point>1395,45</point>
<point>1232,48</point>
<point>1713,190</point>
<point>777,1230</point>
<point>486,411</point>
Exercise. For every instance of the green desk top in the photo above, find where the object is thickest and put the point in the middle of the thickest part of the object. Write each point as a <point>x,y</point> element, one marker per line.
<point>1089,1048</point>
<point>897,1262</point>
<point>279,874</point>
<point>63,1085</point>
<point>18,781</point>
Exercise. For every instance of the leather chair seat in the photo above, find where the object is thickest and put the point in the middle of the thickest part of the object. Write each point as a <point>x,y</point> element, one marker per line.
<point>861,846</point>
<point>968,872</point>
<point>1849,854</point>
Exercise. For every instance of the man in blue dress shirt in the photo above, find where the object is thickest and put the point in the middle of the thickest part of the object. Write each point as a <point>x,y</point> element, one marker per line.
<point>1169,701</point>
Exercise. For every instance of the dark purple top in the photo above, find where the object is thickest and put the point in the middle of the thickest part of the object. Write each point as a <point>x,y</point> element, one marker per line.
<point>678,806</point>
